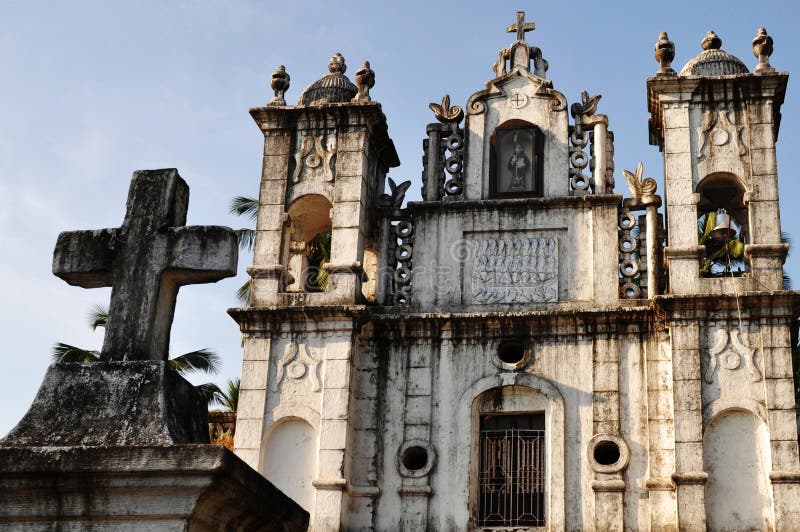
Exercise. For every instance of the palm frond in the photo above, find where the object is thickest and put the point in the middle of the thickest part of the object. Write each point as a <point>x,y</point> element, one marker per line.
<point>246,238</point>
<point>203,360</point>
<point>787,282</point>
<point>244,206</point>
<point>69,353</point>
<point>243,293</point>
<point>786,239</point>
<point>209,391</point>
<point>98,317</point>
<point>229,398</point>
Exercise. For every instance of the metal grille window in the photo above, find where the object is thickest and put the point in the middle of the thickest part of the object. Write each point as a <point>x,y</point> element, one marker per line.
<point>512,470</point>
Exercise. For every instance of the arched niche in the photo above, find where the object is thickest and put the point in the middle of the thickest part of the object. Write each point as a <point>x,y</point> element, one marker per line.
<point>289,460</point>
<point>516,167</point>
<point>723,224</point>
<point>510,394</point>
<point>309,243</point>
<point>736,454</point>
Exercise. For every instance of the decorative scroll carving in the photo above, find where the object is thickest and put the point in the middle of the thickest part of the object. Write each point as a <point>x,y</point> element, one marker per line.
<point>315,158</point>
<point>394,200</point>
<point>642,190</point>
<point>402,248</point>
<point>446,114</point>
<point>578,159</point>
<point>454,164</point>
<point>297,362</point>
<point>587,106</point>
<point>514,270</point>
<point>719,129</point>
<point>730,352</point>
<point>629,257</point>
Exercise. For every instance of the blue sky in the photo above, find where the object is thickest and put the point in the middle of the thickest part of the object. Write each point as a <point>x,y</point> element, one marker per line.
<point>92,91</point>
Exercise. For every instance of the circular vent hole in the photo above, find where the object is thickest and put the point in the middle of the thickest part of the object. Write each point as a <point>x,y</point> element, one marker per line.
<point>511,352</point>
<point>606,453</point>
<point>415,458</point>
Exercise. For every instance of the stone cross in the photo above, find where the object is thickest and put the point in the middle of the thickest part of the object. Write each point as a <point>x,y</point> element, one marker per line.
<point>521,27</point>
<point>145,262</point>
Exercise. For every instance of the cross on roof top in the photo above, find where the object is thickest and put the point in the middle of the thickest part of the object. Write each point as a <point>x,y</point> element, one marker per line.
<point>521,27</point>
<point>145,261</point>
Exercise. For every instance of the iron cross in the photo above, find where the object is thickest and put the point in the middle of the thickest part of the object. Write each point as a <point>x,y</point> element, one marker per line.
<point>145,261</point>
<point>521,27</point>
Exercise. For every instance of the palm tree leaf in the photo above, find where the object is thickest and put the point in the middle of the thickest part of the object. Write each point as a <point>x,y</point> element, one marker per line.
<point>244,206</point>
<point>69,353</point>
<point>230,397</point>
<point>98,317</point>
<point>210,392</point>
<point>786,239</point>
<point>243,293</point>
<point>246,238</point>
<point>201,360</point>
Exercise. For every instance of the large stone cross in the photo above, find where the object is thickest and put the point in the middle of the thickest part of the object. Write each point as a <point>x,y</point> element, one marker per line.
<point>145,262</point>
<point>521,27</point>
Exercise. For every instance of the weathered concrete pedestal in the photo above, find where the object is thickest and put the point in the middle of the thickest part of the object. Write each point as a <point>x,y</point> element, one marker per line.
<point>120,446</point>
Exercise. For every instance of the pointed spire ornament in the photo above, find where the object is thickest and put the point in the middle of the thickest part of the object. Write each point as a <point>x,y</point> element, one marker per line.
<point>365,80</point>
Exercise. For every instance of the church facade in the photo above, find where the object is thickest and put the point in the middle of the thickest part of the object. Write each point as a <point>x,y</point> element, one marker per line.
<point>525,348</point>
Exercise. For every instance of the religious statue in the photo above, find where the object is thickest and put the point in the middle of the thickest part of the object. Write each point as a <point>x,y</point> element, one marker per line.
<point>519,164</point>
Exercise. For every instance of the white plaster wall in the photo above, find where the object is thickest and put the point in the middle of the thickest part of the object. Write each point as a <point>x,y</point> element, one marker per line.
<point>736,455</point>
<point>290,460</point>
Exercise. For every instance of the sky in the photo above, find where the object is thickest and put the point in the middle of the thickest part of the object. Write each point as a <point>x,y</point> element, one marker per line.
<point>92,91</point>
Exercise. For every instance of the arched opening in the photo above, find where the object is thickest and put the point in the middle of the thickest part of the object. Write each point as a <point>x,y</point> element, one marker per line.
<point>512,477</point>
<point>517,160</point>
<point>736,454</point>
<point>290,460</point>
<point>722,225</point>
<point>309,243</point>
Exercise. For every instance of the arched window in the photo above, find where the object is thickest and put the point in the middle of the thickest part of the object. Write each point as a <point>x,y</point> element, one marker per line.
<point>722,225</point>
<point>309,243</point>
<point>517,161</point>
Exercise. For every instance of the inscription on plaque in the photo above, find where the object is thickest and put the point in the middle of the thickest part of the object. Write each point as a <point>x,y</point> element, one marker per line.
<point>514,270</point>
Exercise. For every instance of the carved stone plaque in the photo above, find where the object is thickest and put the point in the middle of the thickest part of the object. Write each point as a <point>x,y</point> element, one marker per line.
<point>513,270</point>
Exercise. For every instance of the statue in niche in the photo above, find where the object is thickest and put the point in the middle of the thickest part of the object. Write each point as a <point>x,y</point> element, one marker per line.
<point>519,165</point>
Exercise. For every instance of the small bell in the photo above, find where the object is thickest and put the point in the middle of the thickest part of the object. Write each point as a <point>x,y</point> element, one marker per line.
<point>725,228</point>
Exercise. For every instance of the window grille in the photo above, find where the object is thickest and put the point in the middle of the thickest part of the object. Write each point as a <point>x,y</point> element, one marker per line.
<point>512,470</point>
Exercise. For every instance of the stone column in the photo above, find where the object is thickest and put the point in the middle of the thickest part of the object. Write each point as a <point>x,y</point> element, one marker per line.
<point>253,398</point>
<point>778,378</point>
<point>689,475</point>
<point>660,421</point>
<point>267,272</point>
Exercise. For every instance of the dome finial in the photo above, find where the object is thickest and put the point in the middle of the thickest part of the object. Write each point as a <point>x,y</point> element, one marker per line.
<point>665,53</point>
<point>711,41</point>
<point>336,64</point>
<point>762,49</point>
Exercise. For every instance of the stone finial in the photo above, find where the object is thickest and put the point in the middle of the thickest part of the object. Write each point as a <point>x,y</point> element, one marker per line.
<point>762,49</point>
<point>665,53</point>
<point>642,190</point>
<point>337,65</point>
<point>365,80</point>
<point>587,106</point>
<point>446,114</point>
<point>711,41</point>
<point>280,84</point>
<point>146,261</point>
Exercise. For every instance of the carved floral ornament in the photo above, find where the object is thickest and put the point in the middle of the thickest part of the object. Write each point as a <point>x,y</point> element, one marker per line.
<point>297,362</point>
<point>719,131</point>
<point>731,352</point>
<point>315,158</point>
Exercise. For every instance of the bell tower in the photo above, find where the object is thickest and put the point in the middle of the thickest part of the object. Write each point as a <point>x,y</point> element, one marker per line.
<point>717,125</point>
<point>314,268</point>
